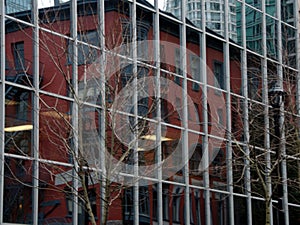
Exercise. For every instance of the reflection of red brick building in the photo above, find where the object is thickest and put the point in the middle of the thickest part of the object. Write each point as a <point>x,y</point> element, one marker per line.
<point>56,115</point>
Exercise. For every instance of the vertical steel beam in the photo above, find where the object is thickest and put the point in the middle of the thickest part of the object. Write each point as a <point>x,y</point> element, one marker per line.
<point>246,140</point>
<point>157,56</point>
<point>36,79</point>
<point>226,54</point>
<point>205,118</point>
<point>2,102</point>
<point>185,144</point>
<point>75,106</point>
<point>135,100</point>
<point>265,100</point>
<point>297,21</point>
<point>102,150</point>
<point>282,147</point>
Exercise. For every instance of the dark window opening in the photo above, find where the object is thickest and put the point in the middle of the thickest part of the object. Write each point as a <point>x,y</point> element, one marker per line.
<point>19,58</point>
<point>178,69</point>
<point>195,160</point>
<point>219,75</point>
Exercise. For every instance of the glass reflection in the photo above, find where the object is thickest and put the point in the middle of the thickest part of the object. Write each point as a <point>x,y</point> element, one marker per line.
<point>258,212</point>
<point>194,12</point>
<point>14,6</point>
<point>55,183</point>
<point>288,11</point>
<point>271,33</point>
<point>289,45</point>
<point>254,29</point>
<point>239,22</point>
<point>17,190</point>
<point>240,216</point>
<point>271,7</point>
<point>55,129</point>
<point>219,207</point>
<point>254,77</point>
<point>174,7</point>
<point>18,122</point>
<point>254,3</point>
<point>161,3</point>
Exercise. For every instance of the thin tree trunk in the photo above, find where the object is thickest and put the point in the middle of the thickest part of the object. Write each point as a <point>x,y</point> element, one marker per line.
<point>87,199</point>
<point>268,210</point>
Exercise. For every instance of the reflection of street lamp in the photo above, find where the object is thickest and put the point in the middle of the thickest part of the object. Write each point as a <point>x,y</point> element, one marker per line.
<point>276,95</point>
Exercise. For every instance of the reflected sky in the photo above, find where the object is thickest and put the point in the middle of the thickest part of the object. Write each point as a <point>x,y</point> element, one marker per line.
<point>161,3</point>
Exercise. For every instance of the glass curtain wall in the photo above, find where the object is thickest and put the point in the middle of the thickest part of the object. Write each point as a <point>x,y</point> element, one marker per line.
<point>120,112</point>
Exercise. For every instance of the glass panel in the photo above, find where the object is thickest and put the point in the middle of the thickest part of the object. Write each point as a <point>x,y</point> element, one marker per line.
<point>238,168</point>
<point>294,213</point>
<point>214,13</point>
<point>48,3</point>
<point>18,52</point>
<point>232,19</point>
<point>254,29</point>
<point>196,206</point>
<point>256,126</point>
<point>215,18</point>
<point>174,7</point>
<point>55,129</point>
<point>166,201</point>
<point>18,120</point>
<point>237,126</point>
<point>235,70</point>
<point>172,151</point>
<point>176,194</point>
<point>258,212</point>
<point>254,74</point>
<point>148,147</point>
<point>219,208</point>
<point>289,45</point>
<point>193,12</point>
<point>171,100</point>
<point>161,4</point>
<point>89,135</point>
<point>257,167</point>
<point>154,206</point>
<point>240,215</point>
<point>144,205</point>
<point>17,190</point>
<point>55,55</point>
<point>271,7</point>
<point>194,105</point>
<point>58,194</point>
<point>215,66</point>
<point>15,6</point>
<point>239,22</point>
<point>254,3</point>
<point>288,11</point>
<point>289,82</point>
<point>293,174</point>
<point>195,162</point>
<point>273,77</point>
<point>55,188</point>
<point>271,32</point>
<point>217,164</point>
<point>216,111</point>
